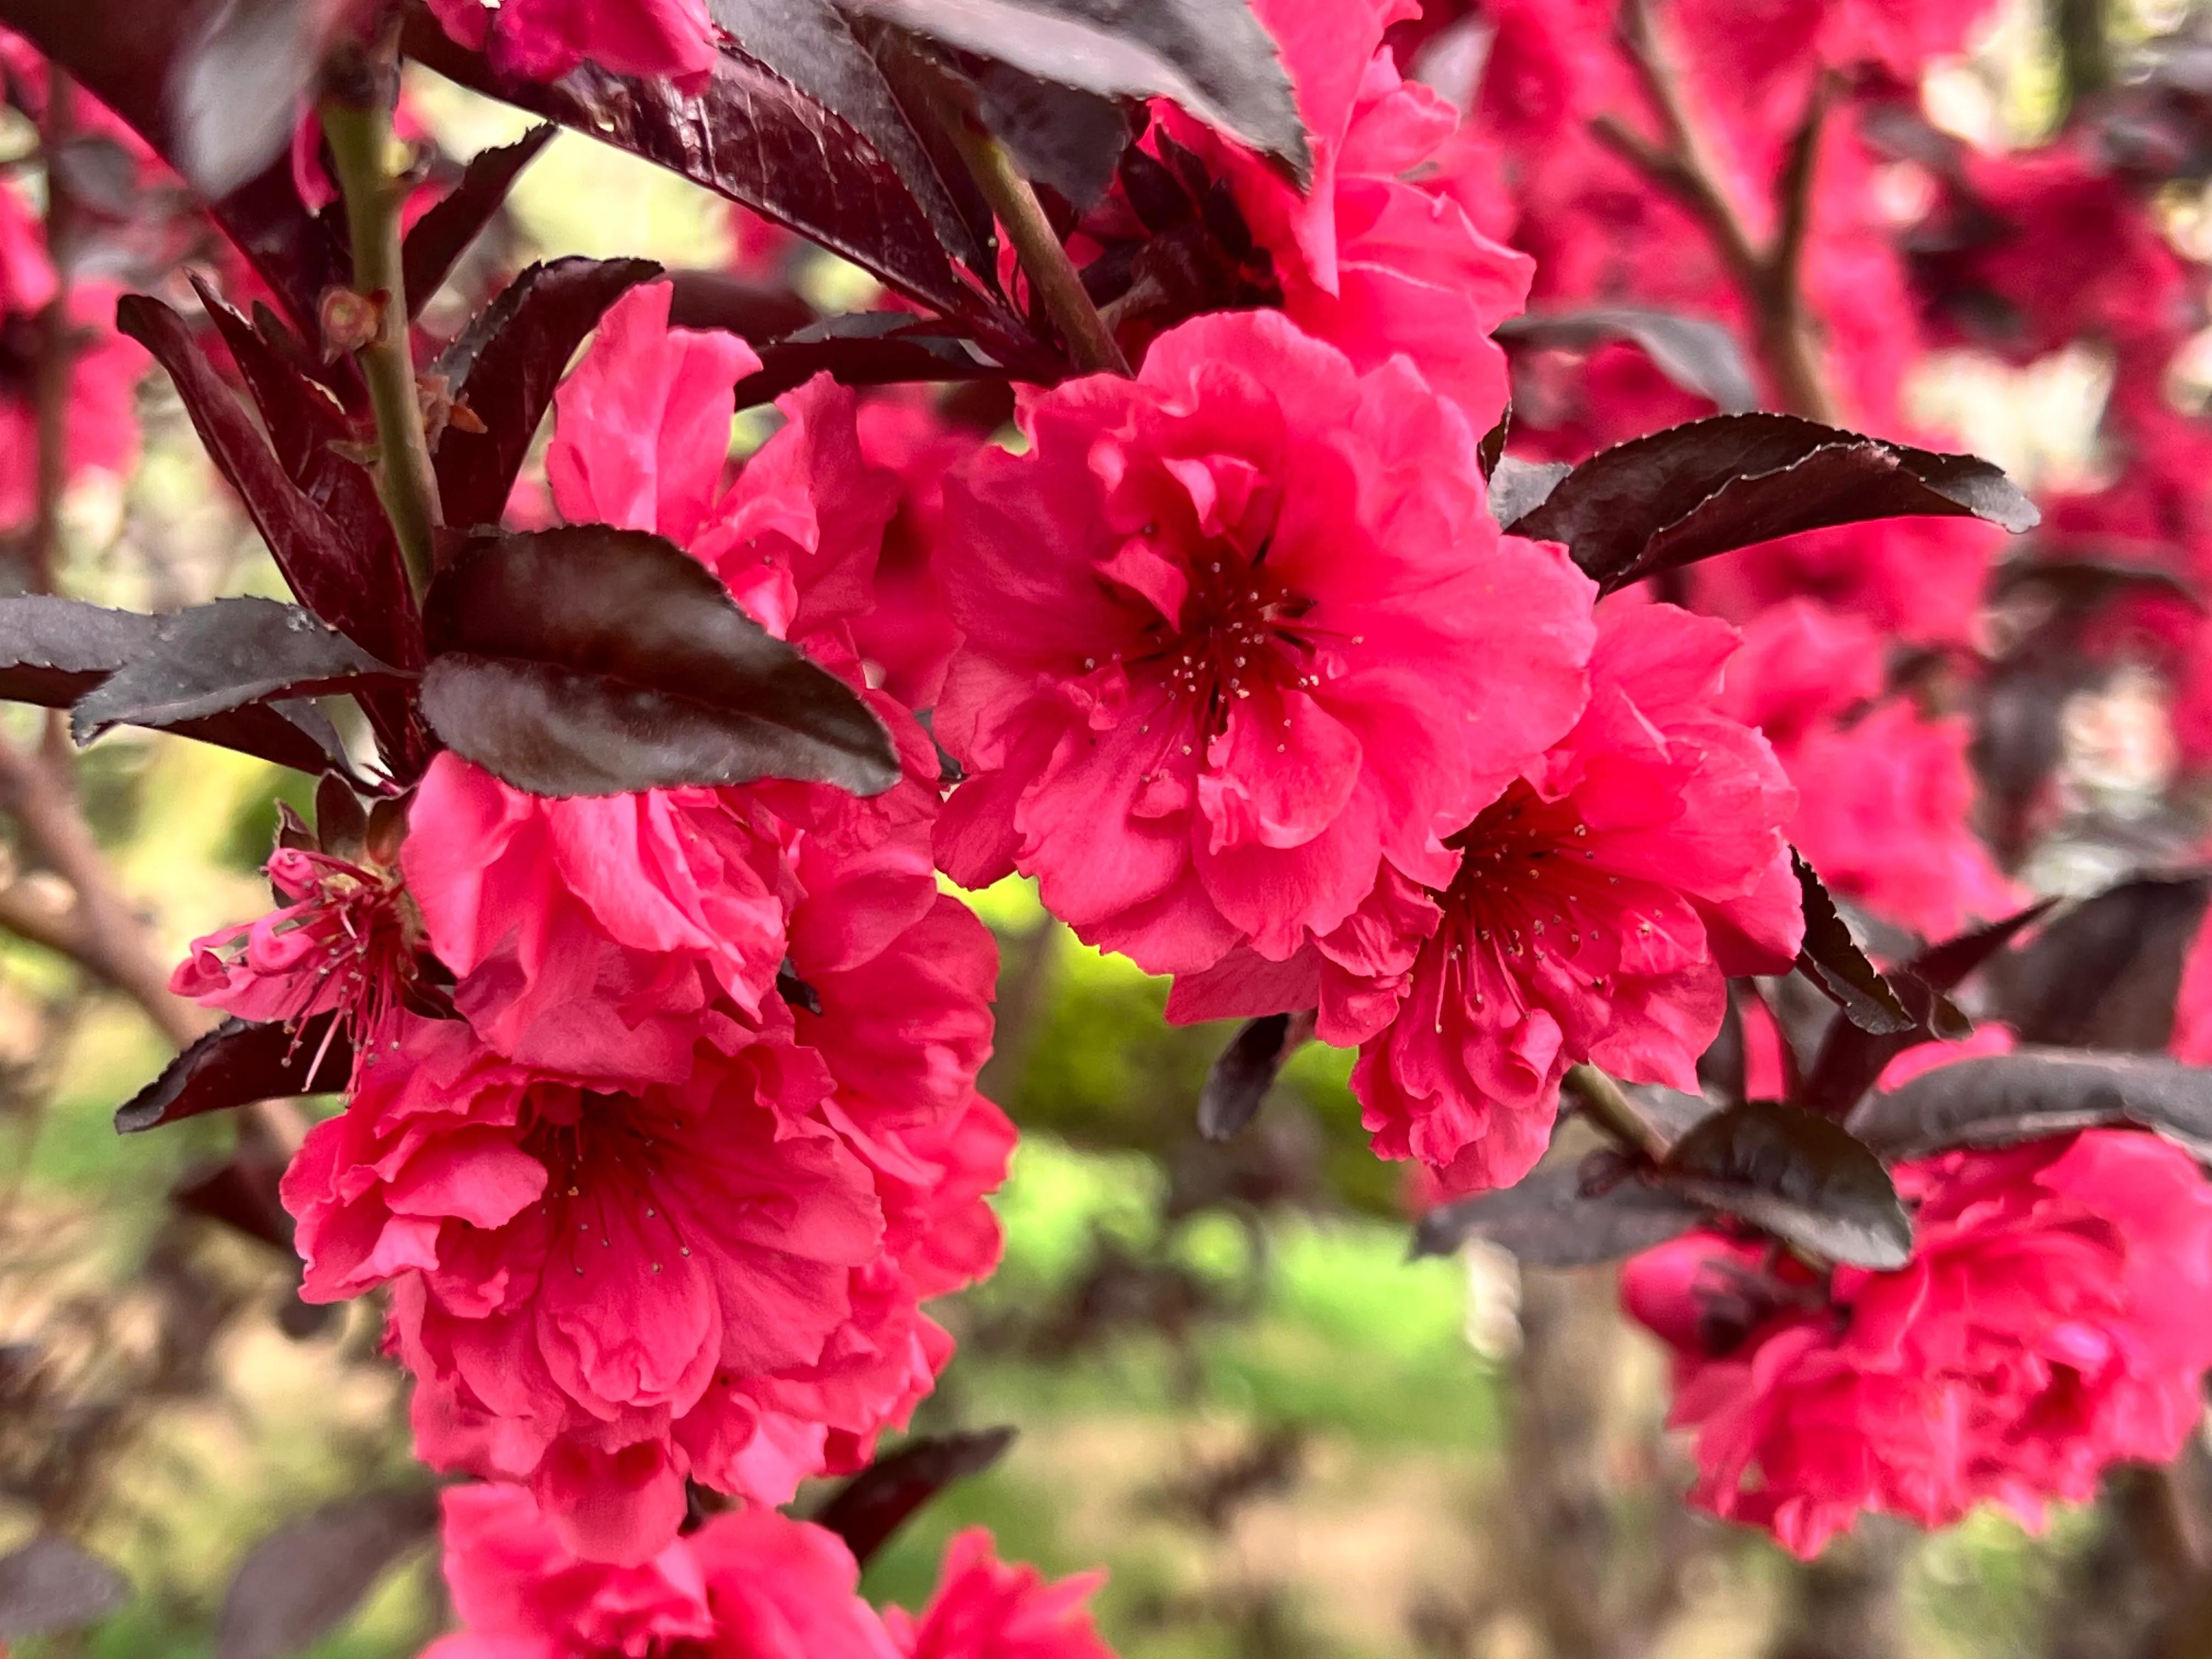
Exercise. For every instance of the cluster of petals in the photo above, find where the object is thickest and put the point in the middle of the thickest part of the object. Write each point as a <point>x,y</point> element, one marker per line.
<point>1597,906</point>
<point>748,1584</point>
<point>1240,634</point>
<point>543,40</point>
<point>2046,1326</point>
<point>661,1198</point>
<point>1377,257</point>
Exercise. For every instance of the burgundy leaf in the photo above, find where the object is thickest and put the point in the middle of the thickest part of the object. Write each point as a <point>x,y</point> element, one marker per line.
<point>506,366</point>
<point>754,137</point>
<point>441,235</point>
<point>1547,1220</point>
<point>215,658</point>
<point>1997,1100</point>
<point>240,1192</point>
<point>869,348</point>
<point>875,1502</point>
<point>2106,973</point>
<point>1832,959</point>
<point>49,1585</point>
<point>1674,497</point>
<point>238,1063</point>
<point>756,312</point>
<point>331,571</point>
<point>127,55</point>
<point>1699,356</point>
<point>1242,1074</point>
<point>54,650</point>
<point>588,660</point>
<point>1212,56</point>
<point>810,44</point>
<point>1800,1177</point>
<point>1518,487</point>
<point>296,1585</point>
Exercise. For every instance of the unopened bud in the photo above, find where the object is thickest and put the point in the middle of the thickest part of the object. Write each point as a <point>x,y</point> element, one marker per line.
<point>349,320</point>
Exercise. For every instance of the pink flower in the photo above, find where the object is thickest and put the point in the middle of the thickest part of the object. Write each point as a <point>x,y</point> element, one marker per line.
<point>345,945</point>
<point>591,936</point>
<point>986,1609</point>
<point>1920,579</point>
<point>543,40</point>
<point>586,1281</point>
<point>749,1585</point>
<point>1369,259</point>
<point>909,636</point>
<point>1239,633</point>
<point>2047,1326</point>
<point>1598,906</point>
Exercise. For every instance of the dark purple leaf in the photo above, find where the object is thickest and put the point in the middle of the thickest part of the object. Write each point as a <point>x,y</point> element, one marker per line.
<point>2106,973</point>
<point>216,658</point>
<point>51,1585</point>
<point>235,88</point>
<point>1800,1177</point>
<point>506,366</point>
<point>1211,57</point>
<point>96,172</point>
<point>1518,488</point>
<point>590,660</point>
<point>867,348</point>
<point>1547,1221</point>
<point>240,1192</point>
<point>1070,142</point>
<point>299,1582</point>
<point>875,1502</point>
<point>754,137</point>
<point>1851,1059</point>
<point>811,44</point>
<point>1699,356</point>
<point>441,235</point>
<point>1242,1074</point>
<point>55,650</point>
<point>330,568</point>
<point>1832,959</point>
<point>1670,499</point>
<point>1492,450</point>
<point>756,312</point>
<point>1997,1100</point>
<point>127,55</point>
<point>237,1063</point>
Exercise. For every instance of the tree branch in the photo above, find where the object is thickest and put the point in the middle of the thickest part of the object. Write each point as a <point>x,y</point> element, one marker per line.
<point>1683,165</point>
<point>1605,1104</point>
<point>54,374</point>
<point>357,116</point>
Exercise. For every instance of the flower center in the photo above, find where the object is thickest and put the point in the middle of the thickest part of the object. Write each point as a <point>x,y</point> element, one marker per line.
<point>604,1158</point>
<point>1242,630</point>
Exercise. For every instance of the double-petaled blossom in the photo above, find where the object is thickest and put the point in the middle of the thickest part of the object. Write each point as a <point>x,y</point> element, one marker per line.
<point>543,40</point>
<point>2048,1325</point>
<point>1596,907</point>
<point>748,1584</point>
<point>1240,634</point>
<point>1377,257</point>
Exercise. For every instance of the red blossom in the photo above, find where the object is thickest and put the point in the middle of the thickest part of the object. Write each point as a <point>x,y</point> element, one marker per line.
<point>1597,908</point>
<point>2047,1326</point>
<point>1375,258</point>
<point>1238,632</point>
<point>543,40</point>
<point>985,1609</point>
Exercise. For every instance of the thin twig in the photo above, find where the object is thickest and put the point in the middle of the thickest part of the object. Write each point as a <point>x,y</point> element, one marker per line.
<point>1684,165</point>
<point>357,117</point>
<point>1014,203</point>
<point>1605,1104</point>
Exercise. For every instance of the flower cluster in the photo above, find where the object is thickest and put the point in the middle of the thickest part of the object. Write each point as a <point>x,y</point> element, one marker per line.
<point>749,1585</point>
<point>2047,1326</point>
<point>659,1198</point>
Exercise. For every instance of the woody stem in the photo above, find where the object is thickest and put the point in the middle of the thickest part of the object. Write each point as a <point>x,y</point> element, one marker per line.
<point>1606,1104</point>
<point>357,117</point>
